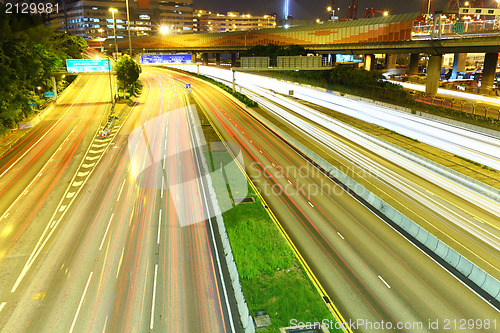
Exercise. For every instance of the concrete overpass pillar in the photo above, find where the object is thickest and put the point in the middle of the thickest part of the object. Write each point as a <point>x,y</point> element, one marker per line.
<point>204,59</point>
<point>413,67</point>
<point>458,64</point>
<point>369,62</point>
<point>433,74</point>
<point>390,61</point>
<point>193,58</point>
<point>233,59</point>
<point>217,58</point>
<point>333,59</point>
<point>489,69</point>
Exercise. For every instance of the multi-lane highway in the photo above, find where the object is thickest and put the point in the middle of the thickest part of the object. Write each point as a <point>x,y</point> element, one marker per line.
<point>370,271</point>
<point>96,242</point>
<point>94,236</point>
<point>469,144</point>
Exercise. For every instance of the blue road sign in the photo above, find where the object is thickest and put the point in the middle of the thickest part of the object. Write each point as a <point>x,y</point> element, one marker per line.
<point>188,85</point>
<point>32,104</point>
<point>87,65</point>
<point>166,59</point>
<point>49,94</point>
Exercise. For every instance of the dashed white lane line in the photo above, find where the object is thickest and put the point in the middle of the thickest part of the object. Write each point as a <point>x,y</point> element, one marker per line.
<point>120,263</point>
<point>310,204</point>
<point>338,233</point>
<point>107,228</point>
<point>121,189</point>
<point>81,302</point>
<point>159,229</point>
<point>2,305</point>
<point>151,325</point>
<point>381,279</point>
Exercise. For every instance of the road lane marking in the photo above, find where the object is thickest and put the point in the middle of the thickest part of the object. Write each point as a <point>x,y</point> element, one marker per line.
<point>310,204</point>
<point>105,322</point>
<point>70,195</point>
<point>120,263</point>
<point>388,286</point>
<point>338,233</point>
<point>151,325</point>
<point>82,174</point>
<point>121,189</point>
<point>88,165</point>
<point>2,305</point>
<point>43,136</point>
<point>76,184</point>
<point>107,228</point>
<point>159,229</point>
<point>81,302</point>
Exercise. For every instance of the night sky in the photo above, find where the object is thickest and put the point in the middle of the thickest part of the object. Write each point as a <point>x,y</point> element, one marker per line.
<point>312,9</point>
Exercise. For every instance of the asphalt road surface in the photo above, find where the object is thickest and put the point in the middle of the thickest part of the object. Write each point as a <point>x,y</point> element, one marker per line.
<point>369,271</point>
<point>96,244</point>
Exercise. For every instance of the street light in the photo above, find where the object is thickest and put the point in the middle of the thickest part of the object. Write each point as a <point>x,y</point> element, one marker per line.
<point>164,29</point>
<point>113,10</point>
<point>128,24</point>
<point>386,13</point>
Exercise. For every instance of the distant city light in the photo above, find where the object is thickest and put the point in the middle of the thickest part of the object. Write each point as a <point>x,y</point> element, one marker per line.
<point>164,30</point>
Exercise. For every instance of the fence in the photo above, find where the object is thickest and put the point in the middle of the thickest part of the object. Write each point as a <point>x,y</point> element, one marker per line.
<point>458,105</point>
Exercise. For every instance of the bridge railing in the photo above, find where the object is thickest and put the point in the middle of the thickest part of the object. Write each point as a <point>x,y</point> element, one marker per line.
<point>450,28</point>
<point>458,105</point>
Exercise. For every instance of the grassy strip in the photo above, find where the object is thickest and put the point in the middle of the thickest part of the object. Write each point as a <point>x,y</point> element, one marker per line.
<point>271,277</point>
<point>476,163</point>
<point>241,97</point>
<point>387,94</point>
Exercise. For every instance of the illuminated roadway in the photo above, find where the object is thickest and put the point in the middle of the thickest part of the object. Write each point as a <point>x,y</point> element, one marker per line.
<point>369,270</point>
<point>95,244</point>
<point>118,260</point>
<point>472,145</point>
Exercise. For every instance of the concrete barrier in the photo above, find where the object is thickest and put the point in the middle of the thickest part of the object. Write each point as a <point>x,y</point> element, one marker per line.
<point>244,314</point>
<point>470,272</point>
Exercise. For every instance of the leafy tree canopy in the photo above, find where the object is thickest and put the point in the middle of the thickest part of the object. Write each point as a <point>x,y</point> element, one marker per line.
<point>29,52</point>
<point>127,71</point>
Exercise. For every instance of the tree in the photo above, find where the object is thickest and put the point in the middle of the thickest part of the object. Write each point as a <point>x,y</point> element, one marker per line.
<point>127,72</point>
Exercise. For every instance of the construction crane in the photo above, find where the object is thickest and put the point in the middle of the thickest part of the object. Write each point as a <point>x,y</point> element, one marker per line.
<point>452,4</point>
<point>352,11</point>
<point>426,11</point>
<point>370,12</point>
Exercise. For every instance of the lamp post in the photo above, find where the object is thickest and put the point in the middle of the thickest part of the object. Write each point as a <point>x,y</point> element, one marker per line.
<point>128,25</point>
<point>113,10</point>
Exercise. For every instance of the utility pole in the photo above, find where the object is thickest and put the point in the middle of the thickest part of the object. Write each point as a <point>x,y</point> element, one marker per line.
<point>129,39</point>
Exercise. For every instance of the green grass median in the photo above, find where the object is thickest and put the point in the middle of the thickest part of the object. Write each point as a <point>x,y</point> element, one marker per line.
<point>271,277</point>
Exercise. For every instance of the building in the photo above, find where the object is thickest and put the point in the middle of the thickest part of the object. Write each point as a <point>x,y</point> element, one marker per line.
<point>94,20</point>
<point>205,21</point>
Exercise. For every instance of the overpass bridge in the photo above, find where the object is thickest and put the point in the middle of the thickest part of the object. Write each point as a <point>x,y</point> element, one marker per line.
<point>388,35</point>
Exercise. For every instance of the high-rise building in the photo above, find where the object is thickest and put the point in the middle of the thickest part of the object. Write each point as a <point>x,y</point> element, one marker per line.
<point>93,19</point>
<point>205,21</point>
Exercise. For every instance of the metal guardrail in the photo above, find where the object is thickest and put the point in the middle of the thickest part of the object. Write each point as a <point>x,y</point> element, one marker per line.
<point>458,105</point>
<point>469,27</point>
